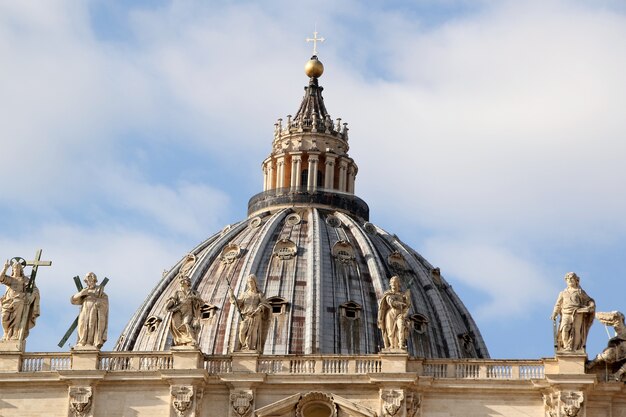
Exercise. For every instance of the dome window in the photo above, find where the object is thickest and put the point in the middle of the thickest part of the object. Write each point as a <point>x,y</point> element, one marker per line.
<point>285,249</point>
<point>466,340</point>
<point>278,305</point>
<point>333,221</point>
<point>230,253</point>
<point>343,251</point>
<point>396,262</point>
<point>419,322</point>
<point>152,323</point>
<point>435,274</point>
<point>350,310</point>
<point>256,222</point>
<point>293,219</point>
<point>370,228</point>
<point>207,311</point>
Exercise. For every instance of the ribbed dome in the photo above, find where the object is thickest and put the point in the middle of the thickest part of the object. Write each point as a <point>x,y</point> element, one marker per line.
<point>321,265</point>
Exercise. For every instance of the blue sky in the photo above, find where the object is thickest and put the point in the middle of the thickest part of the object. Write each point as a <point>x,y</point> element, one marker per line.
<point>490,136</point>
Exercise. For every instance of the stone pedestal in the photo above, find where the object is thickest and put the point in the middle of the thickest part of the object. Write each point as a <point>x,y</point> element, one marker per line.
<point>187,357</point>
<point>12,346</point>
<point>394,361</point>
<point>571,364</point>
<point>245,361</point>
<point>11,355</point>
<point>84,358</point>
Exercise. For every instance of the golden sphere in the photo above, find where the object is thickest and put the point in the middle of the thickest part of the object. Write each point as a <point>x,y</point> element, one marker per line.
<point>314,68</point>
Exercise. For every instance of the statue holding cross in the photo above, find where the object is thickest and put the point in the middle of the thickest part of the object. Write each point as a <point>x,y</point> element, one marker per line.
<point>94,313</point>
<point>20,303</point>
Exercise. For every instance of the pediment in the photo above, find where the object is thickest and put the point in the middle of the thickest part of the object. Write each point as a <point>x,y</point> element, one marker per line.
<point>294,405</point>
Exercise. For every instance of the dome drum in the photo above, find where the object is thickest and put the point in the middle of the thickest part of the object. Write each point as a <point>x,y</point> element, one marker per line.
<point>288,197</point>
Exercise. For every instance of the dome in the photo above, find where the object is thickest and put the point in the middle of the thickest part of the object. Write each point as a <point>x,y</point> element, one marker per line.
<point>322,266</point>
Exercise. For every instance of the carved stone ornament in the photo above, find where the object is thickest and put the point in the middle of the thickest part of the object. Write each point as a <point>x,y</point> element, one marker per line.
<point>256,222</point>
<point>182,399</point>
<point>316,403</point>
<point>285,249</point>
<point>241,403</point>
<point>188,263</point>
<point>152,323</point>
<point>343,252</point>
<point>391,402</point>
<point>293,219</point>
<point>230,253</point>
<point>563,404</point>
<point>370,228</point>
<point>80,401</point>
<point>413,404</point>
<point>397,262</point>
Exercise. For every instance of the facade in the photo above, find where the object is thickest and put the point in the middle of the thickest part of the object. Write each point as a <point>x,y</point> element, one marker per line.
<point>292,312</point>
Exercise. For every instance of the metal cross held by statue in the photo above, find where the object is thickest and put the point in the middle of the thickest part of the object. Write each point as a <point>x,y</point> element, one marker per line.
<point>70,330</point>
<point>28,290</point>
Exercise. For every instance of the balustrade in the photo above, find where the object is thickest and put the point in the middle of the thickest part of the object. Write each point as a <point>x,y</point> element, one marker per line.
<point>299,365</point>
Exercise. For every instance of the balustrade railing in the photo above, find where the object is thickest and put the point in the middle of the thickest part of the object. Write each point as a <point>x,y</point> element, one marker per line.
<point>46,362</point>
<point>140,361</point>
<point>483,369</point>
<point>218,365</point>
<point>299,365</point>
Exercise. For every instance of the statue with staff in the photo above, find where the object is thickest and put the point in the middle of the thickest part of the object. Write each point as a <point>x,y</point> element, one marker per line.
<point>254,312</point>
<point>577,310</point>
<point>20,303</point>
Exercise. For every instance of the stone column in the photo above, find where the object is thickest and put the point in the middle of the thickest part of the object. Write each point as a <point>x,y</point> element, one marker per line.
<point>280,171</point>
<point>270,174</point>
<point>296,164</point>
<point>343,175</point>
<point>351,174</point>
<point>264,177</point>
<point>312,180</point>
<point>329,175</point>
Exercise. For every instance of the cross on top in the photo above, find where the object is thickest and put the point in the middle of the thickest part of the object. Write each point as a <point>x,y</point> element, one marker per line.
<point>315,39</point>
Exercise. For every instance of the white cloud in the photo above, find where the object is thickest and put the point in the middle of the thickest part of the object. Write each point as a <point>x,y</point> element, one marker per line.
<point>514,286</point>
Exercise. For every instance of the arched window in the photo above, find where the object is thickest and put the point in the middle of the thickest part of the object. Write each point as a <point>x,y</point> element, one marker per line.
<point>278,305</point>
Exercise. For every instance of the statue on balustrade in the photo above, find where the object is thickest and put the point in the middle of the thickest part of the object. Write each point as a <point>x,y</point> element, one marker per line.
<point>185,307</point>
<point>615,353</point>
<point>393,310</point>
<point>254,311</point>
<point>20,308</point>
<point>94,313</point>
<point>576,309</point>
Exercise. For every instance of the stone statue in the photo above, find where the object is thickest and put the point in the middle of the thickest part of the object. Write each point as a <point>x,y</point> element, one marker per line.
<point>576,309</point>
<point>254,311</point>
<point>17,303</point>
<point>393,310</point>
<point>615,352</point>
<point>94,313</point>
<point>185,307</point>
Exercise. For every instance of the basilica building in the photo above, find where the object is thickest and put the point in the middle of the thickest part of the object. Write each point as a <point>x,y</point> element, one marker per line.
<point>303,309</point>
